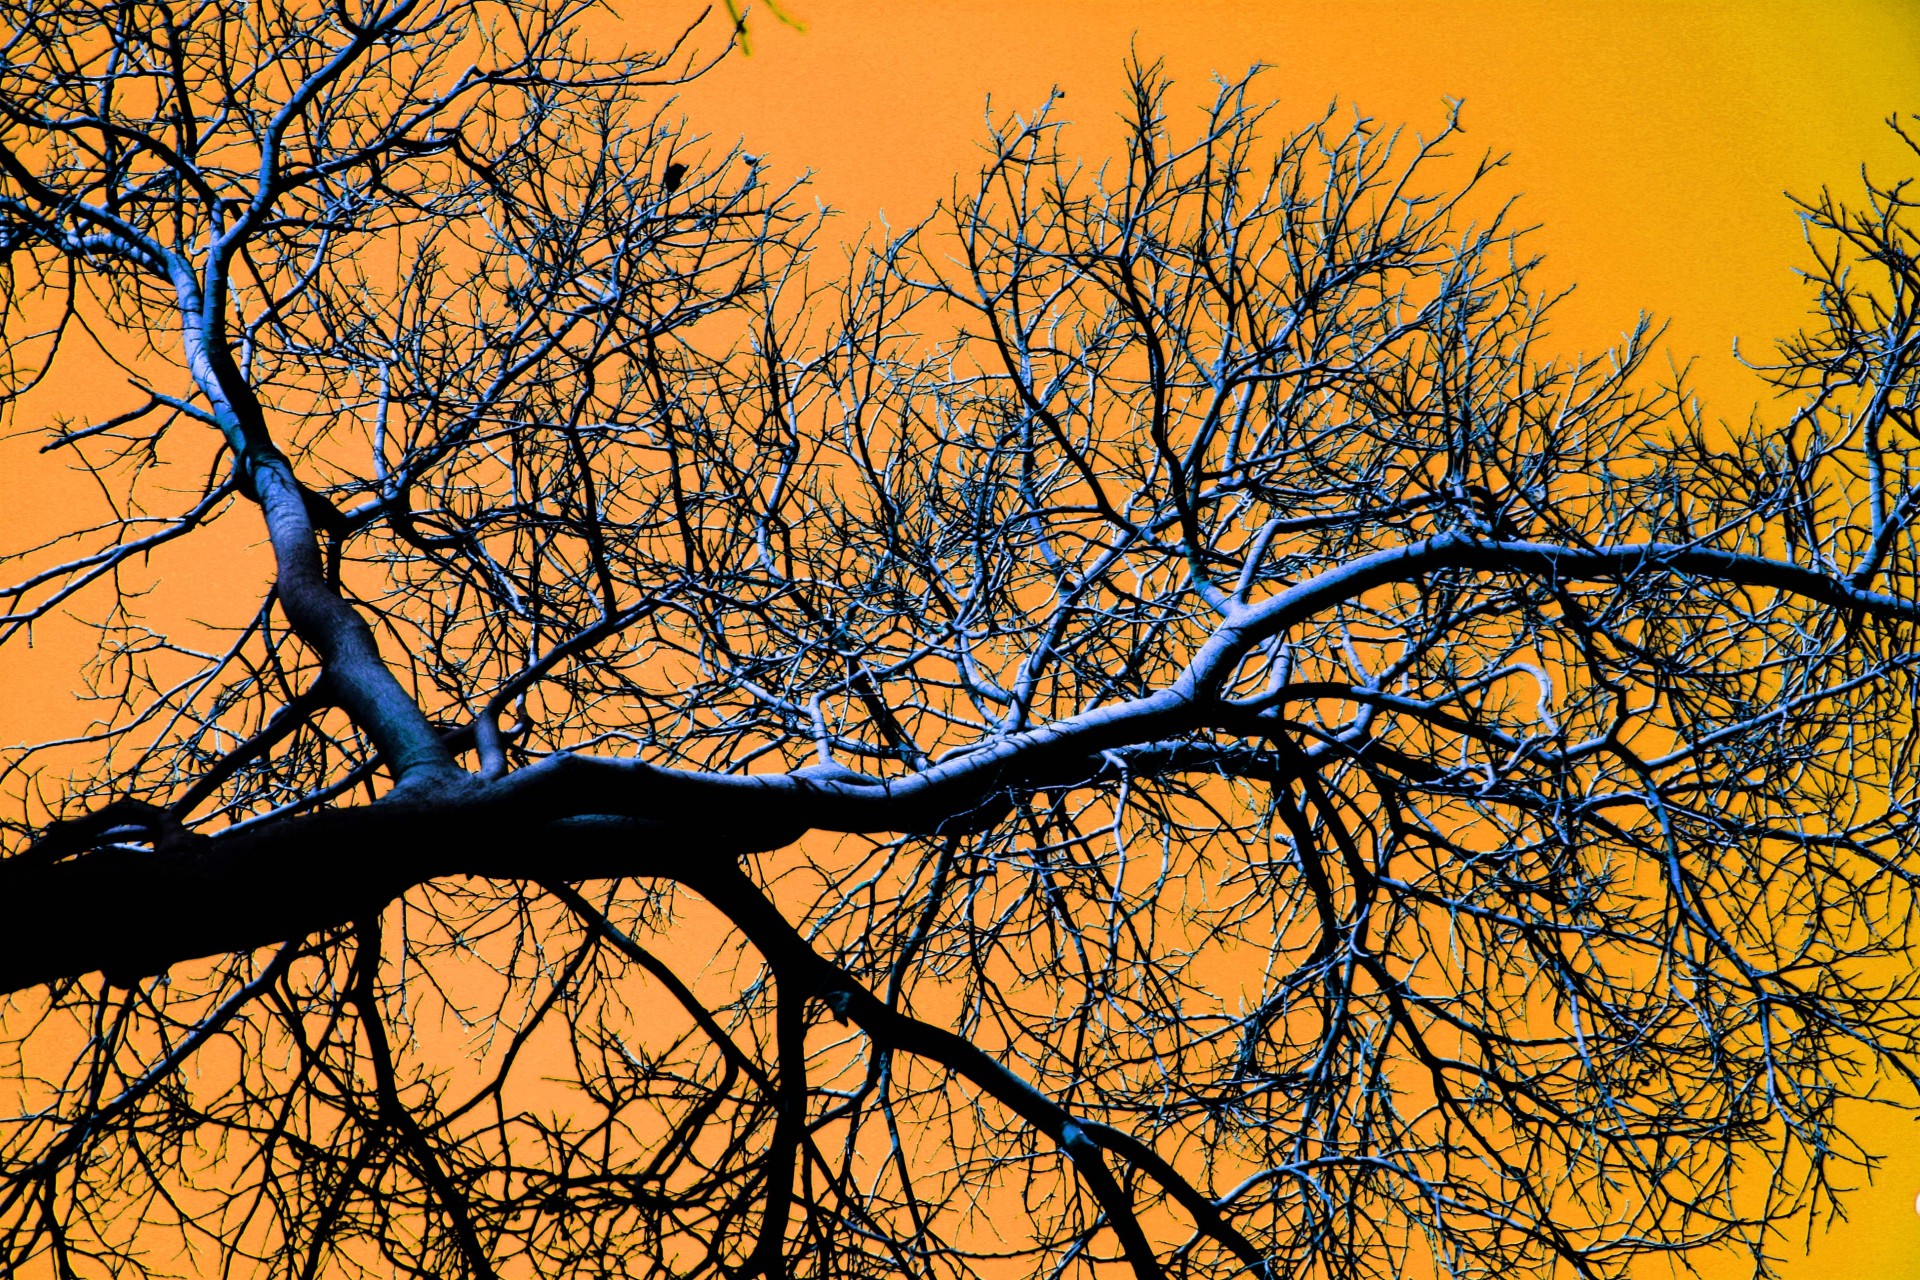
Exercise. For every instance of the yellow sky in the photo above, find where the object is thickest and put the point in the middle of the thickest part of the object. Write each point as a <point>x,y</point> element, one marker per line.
<point>1652,142</point>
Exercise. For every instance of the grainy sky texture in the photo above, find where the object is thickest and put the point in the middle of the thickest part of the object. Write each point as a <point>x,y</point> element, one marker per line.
<point>1650,142</point>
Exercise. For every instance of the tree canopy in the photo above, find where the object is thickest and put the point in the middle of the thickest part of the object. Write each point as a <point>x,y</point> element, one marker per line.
<point>1148,724</point>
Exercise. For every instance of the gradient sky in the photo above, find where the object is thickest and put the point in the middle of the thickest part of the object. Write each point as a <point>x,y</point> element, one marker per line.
<point>1651,142</point>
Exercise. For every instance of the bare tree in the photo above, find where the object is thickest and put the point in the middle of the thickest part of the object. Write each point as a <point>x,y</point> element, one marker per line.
<point>1146,724</point>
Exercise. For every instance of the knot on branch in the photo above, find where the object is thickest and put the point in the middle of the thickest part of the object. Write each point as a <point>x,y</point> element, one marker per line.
<point>840,1002</point>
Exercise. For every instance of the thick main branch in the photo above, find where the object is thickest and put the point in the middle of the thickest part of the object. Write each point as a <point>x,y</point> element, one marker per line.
<point>133,912</point>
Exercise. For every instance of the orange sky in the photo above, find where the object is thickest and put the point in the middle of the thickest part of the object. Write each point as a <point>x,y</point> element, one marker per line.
<point>1652,142</point>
